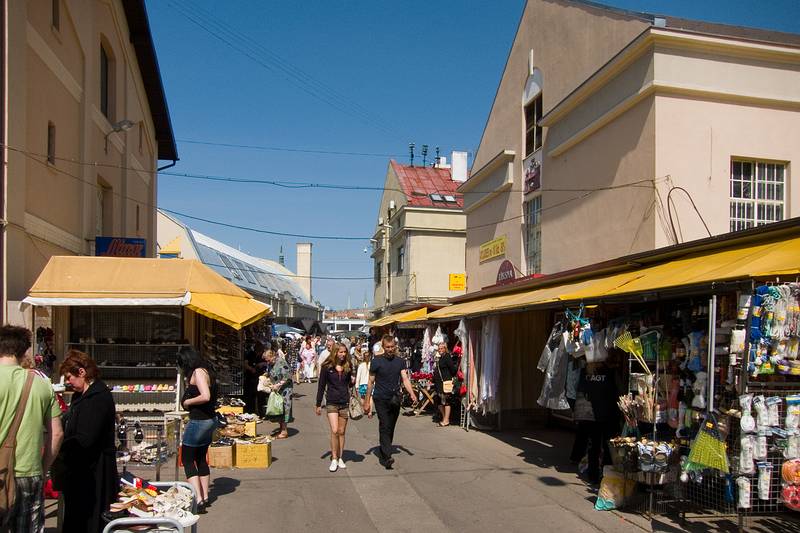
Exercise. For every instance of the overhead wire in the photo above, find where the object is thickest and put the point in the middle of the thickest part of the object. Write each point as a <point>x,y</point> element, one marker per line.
<point>271,61</point>
<point>287,149</point>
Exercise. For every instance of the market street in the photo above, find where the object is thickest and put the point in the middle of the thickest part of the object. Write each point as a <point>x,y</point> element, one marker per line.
<point>445,479</point>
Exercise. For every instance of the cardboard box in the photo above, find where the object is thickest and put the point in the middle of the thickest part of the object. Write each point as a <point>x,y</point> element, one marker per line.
<point>250,429</point>
<point>252,455</point>
<point>225,409</point>
<point>220,456</point>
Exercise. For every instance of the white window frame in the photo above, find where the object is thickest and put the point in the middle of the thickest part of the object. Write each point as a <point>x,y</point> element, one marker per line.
<point>532,209</point>
<point>757,193</point>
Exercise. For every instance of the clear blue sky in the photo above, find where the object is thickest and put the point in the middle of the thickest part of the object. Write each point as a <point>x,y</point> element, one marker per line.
<point>380,74</point>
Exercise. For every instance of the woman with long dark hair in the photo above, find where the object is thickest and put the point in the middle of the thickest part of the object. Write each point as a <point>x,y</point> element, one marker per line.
<point>88,454</point>
<point>335,383</point>
<point>200,399</point>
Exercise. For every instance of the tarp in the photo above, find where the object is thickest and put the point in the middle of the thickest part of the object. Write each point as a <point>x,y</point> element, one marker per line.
<point>124,281</point>
<point>763,260</point>
<point>405,316</point>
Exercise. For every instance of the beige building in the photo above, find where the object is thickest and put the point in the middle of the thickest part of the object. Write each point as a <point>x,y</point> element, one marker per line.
<point>419,236</point>
<point>614,133</point>
<point>86,123</point>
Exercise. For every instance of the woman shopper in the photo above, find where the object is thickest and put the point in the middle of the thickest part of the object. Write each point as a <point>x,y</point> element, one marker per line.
<point>443,379</point>
<point>362,374</point>
<point>88,454</point>
<point>280,376</point>
<point>335,383</point>
<point>200,399</point>
<point>308,356</point>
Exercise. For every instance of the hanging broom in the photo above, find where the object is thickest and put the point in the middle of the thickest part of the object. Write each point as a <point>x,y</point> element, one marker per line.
<point>708,449</point>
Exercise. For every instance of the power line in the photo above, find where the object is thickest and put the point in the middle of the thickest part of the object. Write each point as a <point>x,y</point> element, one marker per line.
<point>287,149</point>
<point>271,61</point>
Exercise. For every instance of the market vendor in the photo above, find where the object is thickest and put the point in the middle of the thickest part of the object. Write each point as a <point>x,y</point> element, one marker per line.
<point>601,386</point>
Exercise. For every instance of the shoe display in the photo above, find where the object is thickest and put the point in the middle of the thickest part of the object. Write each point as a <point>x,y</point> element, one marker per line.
<point>334,466</point>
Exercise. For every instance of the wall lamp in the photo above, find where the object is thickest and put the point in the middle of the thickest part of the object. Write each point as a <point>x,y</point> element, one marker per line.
<point>122,125</point>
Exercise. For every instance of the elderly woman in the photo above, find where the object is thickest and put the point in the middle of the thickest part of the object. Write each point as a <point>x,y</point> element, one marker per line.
<point>88,454</point>
<point>443,375</point>
<point>280,376</point>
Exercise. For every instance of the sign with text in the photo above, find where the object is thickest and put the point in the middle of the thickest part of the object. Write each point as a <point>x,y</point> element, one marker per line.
<point>506,273</point>
<point>119,247</point>
<point>494,248</point>
<point>458,282</point>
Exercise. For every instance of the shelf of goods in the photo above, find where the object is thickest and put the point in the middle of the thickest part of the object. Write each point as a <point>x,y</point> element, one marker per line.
<point>222,347</point>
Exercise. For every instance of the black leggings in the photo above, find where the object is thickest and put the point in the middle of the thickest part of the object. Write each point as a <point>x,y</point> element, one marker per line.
<point>195,460</point>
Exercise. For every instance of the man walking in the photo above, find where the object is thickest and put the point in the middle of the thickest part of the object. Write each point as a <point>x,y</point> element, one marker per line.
<point>40,419</point>
<point>385,375</point>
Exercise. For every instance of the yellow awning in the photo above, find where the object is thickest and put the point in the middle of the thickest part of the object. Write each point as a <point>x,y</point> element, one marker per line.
<point>742,262</point>
<point>405,316</point>
<point>81,280</point>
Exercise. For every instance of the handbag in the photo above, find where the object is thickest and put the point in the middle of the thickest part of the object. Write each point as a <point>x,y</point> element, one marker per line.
<point>356,410</point>
<point>447,386</point>
<point>275,404</point>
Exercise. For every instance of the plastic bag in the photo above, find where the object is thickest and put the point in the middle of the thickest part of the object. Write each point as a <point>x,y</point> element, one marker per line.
<point>275,404</point>
<point>613,490</point>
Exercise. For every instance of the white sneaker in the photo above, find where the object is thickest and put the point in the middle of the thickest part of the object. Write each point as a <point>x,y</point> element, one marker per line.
<point>334,466</point>
<point>341,464</point>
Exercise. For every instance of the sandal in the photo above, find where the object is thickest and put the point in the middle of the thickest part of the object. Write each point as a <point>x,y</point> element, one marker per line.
<point>442,425</point>
<point>282,436</point>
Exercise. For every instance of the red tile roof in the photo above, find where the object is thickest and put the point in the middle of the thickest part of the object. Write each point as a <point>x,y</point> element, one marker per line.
<point>419,183</point>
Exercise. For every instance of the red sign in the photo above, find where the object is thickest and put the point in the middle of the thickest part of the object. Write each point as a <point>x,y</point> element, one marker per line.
<point>506,273</point>
<point>120,247</point>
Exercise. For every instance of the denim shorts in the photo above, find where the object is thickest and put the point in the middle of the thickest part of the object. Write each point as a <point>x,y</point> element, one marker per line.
<point>198,432</point>
<point>362,390</point>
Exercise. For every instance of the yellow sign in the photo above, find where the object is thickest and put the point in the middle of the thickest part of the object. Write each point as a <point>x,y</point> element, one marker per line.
<point>458,282</point>
<point>494,248</point>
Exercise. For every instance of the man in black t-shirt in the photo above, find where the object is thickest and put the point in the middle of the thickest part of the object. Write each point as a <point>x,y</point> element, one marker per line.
<point>385,376</point>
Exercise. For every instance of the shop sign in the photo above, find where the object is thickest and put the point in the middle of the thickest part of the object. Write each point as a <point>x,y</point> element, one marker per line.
<point>533,174</point>
<point>458,282</point>
<point>119,247</point>
<point>494,248</point>
<point>506,273</point>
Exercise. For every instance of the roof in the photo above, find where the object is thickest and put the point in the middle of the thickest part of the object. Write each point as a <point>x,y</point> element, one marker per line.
<point>128,281</point>
<point>419,183</point>
<point>142,42</point>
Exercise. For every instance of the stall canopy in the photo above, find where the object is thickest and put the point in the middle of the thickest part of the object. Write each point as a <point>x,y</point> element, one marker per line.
<point>122,281</point>
<point>405,316</point>
<point>761,260</point>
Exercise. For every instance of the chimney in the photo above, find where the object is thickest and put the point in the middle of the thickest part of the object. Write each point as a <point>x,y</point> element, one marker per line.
<point>459,166</point>
<point>304,268</point>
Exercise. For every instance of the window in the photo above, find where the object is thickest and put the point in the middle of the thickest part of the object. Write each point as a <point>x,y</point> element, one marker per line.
<point>55,15</point>
<point>231,267</point>
<point>533,132</point>
<point>106,83</point>
<point>141,135</point>
<point>757,193</point>
<point>533,235</point>
<point>377,275</point>
<point>401,258</point>
<point>437,197</point>
<point>137,219</point>
<point>450,199</point>
<point>104,210</point>
<point>51,143</point>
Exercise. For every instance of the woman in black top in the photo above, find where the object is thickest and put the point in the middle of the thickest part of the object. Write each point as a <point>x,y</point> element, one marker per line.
<point>88,453</point>
<point>200,399</point>
<point>444,373</point>
<point>335,382</point>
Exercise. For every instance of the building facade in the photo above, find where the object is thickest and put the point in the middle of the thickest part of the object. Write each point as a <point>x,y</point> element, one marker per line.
<point>624,132</point>
<point>267,281</point>
<point>419,236</point>
<point>346,320</point>
<point>87,122</point>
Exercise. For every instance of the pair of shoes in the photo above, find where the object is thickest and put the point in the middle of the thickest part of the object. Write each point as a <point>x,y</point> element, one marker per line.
<point>386,463</point>
<point>443,425</point>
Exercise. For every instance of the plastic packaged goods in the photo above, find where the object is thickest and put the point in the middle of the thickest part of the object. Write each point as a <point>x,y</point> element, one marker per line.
<point>760,449</point>
<point>773,411</point>
<point>743,484</point>
<point>748,423</point>
<point>747,455</point>
<point>762,415</point>
<point>764,480</point>
<point>792,412</point>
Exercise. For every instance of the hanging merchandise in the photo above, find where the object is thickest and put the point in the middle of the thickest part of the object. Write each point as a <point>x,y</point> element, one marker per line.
<point>490,366</point>
<point>762,416</point>
<point>699,388</point>
<point>764,480</point>
<point>708,449</point>
<point>760,449</point>
<point>792,412</point>
<point>747,455</point>
<point>773,411</point>
<point>553,395</point>
<point>748,423</point>
<point>743,484</point>
<point>790,477</point>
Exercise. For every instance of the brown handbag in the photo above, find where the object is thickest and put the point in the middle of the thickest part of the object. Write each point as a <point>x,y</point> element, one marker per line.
<point>8,485</point>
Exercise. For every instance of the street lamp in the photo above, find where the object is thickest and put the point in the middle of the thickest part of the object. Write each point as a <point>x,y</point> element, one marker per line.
<point>122,125</point>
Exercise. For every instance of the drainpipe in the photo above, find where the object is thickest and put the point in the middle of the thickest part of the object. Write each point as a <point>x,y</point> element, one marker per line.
<point>3,155</point>
<point>165,167</point>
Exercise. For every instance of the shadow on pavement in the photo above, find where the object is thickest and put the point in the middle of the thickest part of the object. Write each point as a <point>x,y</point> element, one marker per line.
<point>349,456</point>
<point>222,486</point>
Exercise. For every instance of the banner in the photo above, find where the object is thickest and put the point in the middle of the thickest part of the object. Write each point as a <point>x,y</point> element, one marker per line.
<point>494,248</point>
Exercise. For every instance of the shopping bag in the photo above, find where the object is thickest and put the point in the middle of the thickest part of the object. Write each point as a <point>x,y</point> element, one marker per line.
<point>356,409</point>
<point>275,404</point>
<point>614,488</point>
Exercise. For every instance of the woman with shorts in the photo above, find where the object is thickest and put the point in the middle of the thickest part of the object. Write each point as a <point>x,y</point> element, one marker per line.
<point>335,383</point>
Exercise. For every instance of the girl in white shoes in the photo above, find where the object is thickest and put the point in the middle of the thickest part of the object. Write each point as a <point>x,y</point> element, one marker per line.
<point>335,383</point>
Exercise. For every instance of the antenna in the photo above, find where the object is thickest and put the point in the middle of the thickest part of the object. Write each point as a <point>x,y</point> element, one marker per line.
<point>411,151</point>
<point>437,155</point>
<point>424,155</point>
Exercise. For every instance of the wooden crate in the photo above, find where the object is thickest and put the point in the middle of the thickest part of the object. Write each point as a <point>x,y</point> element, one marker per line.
<point>225,409</point>
<point>220,456</point>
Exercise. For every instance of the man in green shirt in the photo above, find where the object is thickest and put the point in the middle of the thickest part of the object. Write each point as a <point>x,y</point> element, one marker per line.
<point>34,453</point>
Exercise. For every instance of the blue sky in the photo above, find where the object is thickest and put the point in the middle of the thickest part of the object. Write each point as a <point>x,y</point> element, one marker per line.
<point>352,76</point>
